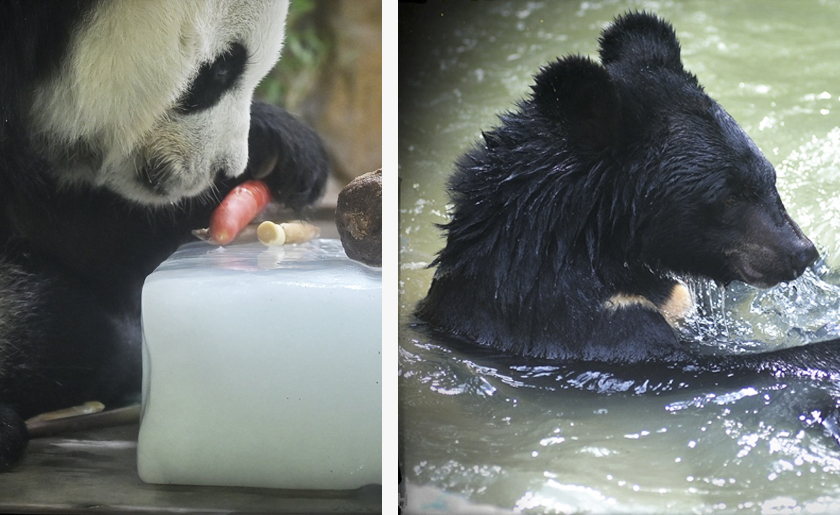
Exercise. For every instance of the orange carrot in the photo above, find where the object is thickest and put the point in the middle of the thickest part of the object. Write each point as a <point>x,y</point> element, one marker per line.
<point>238,208</point>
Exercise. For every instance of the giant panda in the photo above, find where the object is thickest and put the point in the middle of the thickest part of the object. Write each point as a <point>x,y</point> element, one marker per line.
<point>122,125</point>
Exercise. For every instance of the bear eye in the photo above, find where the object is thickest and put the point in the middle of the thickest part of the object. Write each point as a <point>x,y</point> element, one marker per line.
<point>213,80</point>
<point>742,195</point>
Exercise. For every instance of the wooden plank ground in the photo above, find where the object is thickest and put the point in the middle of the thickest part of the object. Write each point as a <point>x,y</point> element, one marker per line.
<point>95,471</point>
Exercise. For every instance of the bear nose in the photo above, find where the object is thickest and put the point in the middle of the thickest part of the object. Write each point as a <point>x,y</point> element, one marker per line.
<point>804,257</point>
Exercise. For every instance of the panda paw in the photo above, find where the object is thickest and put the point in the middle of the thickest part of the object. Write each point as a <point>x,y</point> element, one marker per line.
<point>287,155</point>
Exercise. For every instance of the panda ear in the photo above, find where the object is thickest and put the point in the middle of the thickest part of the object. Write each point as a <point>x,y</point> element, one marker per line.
<point>642,39</point>
<point>580,94</point>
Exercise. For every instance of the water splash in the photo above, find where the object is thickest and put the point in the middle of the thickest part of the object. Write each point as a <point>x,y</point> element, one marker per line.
<point>809,179</point>
<point>741,318</point>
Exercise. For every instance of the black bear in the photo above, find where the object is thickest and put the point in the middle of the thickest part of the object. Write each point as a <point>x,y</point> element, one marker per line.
<point>122,125</point>
<point>574,215</point>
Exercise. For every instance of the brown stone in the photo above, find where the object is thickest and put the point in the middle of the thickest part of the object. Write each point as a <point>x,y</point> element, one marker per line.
<point>358,218</point>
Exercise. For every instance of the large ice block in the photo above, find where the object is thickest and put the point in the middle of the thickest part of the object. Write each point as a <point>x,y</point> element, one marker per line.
<point>262,367</point>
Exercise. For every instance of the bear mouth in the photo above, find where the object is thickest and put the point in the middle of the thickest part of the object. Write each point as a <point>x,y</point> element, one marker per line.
<point>162,183</point>
<point>763,267</point>
<point>745,272</point>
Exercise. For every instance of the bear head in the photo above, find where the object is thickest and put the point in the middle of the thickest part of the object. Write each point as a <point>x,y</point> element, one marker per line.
<point>152,99</point>
<point>672,182</point>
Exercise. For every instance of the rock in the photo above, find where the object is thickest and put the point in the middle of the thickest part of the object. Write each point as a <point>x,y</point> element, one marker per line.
<point>358,218</point>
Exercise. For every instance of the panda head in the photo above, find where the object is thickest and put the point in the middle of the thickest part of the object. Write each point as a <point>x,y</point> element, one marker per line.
<point>152,99</point>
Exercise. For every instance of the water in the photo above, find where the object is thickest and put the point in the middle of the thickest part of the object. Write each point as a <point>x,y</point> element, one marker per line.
<point>481,430</point>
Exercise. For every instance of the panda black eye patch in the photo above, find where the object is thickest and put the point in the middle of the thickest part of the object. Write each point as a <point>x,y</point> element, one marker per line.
<point>213,80</point>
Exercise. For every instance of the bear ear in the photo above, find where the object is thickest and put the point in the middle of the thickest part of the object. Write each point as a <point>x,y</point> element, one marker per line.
<point>582,95</point>
<point>641,38</point>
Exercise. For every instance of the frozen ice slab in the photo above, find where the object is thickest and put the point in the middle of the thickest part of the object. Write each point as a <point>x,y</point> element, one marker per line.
<point>262,367</point>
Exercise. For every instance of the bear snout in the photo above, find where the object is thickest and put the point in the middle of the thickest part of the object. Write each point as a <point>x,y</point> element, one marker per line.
<point>802,259</point>
<point>798,251</point>
<point>771,254</point>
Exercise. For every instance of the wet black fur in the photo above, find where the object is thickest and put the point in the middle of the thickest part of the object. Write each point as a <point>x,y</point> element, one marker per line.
<point>74,260</point>
<point>610,179</point>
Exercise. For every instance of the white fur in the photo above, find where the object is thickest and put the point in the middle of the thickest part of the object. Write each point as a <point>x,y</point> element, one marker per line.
<point>110,109</point>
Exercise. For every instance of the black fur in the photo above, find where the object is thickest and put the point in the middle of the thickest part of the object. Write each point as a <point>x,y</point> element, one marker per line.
<point>610,179</point>
<point>275,137</point>
<point>214,80</point>
<point>73,260</point>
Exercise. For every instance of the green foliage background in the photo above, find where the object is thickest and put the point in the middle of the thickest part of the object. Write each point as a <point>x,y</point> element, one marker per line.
<point>306,47</point>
